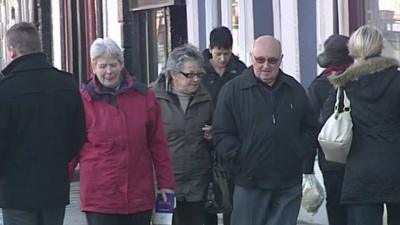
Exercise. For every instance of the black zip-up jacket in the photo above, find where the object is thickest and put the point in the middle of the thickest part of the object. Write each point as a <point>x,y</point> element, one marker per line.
<point>263,134</point>
<point>213,81</point>
<point>42,127</point>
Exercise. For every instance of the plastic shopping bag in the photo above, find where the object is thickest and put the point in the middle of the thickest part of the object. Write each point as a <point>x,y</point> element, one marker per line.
<point>313,194</point>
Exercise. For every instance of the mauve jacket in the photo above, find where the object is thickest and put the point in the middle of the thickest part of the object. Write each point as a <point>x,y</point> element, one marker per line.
<point>125,141</point>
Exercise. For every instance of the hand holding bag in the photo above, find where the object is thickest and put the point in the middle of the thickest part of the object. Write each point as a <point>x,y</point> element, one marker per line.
<point>337,133</point>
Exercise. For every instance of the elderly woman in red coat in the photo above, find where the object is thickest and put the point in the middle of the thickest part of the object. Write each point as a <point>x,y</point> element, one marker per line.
<point>125,141</point>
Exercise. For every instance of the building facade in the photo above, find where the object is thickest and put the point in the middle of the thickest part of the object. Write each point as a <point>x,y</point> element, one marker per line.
<point>149,29</point>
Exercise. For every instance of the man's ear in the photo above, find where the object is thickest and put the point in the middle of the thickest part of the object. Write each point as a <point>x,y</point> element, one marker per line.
<point>251,57</point>
<point>13,53</point>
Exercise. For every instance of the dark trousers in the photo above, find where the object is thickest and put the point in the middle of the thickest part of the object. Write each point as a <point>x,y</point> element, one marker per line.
<point>212,219</point>
<point>337,213</point>
<point>189,213</point>
<point>266,207</point>
<point>372,214</point>
<point>141,218</point>
<point>34,217</point>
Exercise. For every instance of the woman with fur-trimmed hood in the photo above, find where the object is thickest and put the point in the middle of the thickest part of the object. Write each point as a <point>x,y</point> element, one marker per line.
<point>372,169</point>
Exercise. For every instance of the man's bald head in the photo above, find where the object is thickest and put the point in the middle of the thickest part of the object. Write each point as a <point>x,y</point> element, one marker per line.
<point>267,40</point>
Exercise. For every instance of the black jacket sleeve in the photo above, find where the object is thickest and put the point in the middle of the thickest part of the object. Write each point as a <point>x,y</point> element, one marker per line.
<point>225,135</point>
<point>309,133</point>
<point>77,129</point>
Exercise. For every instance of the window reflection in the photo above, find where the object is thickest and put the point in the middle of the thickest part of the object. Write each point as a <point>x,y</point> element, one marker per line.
<point>385,14</point>
<point>162,38</point>
<point>235,26</point>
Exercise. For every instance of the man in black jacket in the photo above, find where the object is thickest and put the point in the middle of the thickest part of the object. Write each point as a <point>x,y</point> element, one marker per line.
<point>264,127</point>
<point>41,129</point>
<point>220,66</point>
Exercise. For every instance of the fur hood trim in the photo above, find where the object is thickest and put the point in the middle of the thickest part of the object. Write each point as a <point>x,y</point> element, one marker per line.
<point>363,67</point>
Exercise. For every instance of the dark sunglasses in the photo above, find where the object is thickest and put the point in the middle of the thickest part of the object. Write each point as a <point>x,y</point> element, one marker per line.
<point>192,75</point>
<point>262,60</point>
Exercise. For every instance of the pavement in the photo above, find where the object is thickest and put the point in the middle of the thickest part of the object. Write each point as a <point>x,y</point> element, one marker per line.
<point>73,215</point>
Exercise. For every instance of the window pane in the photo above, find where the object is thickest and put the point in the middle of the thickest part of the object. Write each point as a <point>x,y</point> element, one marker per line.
<point>235,26</point>
<point>385,14</point>
<point>162,41</point>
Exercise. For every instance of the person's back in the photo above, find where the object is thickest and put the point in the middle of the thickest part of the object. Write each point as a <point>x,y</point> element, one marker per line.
<point>41,129</point>
<point>372,84</point>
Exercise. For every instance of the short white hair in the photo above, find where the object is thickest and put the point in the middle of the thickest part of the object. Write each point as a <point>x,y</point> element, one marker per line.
<point>105,47</point>
<point>365,42</point>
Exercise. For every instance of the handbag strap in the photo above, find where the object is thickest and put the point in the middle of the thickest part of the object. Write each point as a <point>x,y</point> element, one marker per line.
<point>346,101</point>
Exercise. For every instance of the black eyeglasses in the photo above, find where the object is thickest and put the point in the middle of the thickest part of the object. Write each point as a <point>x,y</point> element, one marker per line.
<point>191,75</point>
<point>262,60</point>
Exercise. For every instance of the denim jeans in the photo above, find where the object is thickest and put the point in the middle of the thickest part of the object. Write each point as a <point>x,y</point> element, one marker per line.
<point>372,214</point>
<point>266,207</point>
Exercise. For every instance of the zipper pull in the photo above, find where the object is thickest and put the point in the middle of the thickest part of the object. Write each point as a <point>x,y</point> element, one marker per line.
<point>273,119</point>
<point>291,106</point>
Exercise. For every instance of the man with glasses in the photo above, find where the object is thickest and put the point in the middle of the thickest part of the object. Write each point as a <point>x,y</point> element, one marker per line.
<point>264,127</point>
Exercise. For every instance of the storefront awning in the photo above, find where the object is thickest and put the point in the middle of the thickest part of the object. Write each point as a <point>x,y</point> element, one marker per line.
<point>136,5</point>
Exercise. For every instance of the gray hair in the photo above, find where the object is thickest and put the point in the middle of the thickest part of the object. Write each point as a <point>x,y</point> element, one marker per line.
<point>365,42</point>
<point>105,47</point>
<point>23,37</point>
<point>180,55</point>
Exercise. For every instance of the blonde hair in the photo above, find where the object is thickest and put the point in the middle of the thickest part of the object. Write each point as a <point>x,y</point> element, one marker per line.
<point>365,42</point>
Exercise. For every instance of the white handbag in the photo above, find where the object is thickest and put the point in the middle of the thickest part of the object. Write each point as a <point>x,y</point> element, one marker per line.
<point>337,133</point>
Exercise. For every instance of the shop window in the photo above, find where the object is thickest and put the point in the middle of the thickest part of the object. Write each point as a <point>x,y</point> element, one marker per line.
<point>56,29</point>
<point>110,21</point>
<point>235,27</point>
<point>162,38</point>
<point>385,14</point>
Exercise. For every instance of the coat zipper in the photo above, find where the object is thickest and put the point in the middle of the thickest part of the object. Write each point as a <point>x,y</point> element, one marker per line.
<point>273,107</point>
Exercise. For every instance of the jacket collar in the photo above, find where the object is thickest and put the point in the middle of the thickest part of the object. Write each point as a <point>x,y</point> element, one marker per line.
<point>362,68</point>
<point>230,67</point>
<point>250,79</point>
<point>29,62</point>
<point>96,91</point>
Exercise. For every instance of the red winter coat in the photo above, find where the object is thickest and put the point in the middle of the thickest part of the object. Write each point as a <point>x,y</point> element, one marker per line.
<point>125,138</point>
